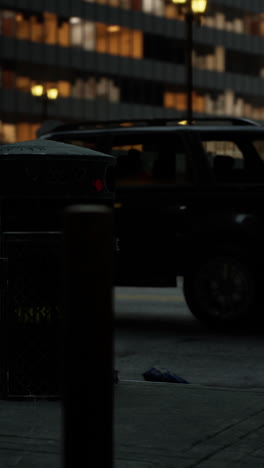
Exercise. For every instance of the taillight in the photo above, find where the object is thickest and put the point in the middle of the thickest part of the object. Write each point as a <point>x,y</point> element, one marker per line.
<point>98,185</point>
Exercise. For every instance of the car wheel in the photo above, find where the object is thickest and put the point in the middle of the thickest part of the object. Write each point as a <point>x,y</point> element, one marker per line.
<point>221,290</point>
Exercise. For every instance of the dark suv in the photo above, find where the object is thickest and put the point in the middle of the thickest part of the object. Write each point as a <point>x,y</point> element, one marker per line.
<point>189,202</point>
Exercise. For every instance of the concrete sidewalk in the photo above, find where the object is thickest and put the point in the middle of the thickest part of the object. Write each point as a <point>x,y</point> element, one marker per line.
<point>156,425</point>
<point>181,425</point>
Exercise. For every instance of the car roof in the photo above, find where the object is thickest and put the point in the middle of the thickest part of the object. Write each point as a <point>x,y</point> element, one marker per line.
<point>149,129</point>
<point>51,126</point>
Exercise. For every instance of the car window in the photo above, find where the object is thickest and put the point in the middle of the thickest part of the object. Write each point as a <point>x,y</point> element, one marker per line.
<point>259,147</point>
<point>149,161</point>
<point>235,160</point>
<point>225,148</point>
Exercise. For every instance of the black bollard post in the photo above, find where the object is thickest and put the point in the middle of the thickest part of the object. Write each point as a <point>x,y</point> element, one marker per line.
<point>88,343</point>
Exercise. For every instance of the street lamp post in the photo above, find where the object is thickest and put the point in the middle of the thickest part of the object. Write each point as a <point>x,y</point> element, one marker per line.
<point>189,68</point>
<point>191,9</point>
<point>45,95</point>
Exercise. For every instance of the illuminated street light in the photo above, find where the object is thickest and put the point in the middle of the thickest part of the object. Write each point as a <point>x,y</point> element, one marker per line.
<point>191,10</point>
<point>198,6</point>
<point>50,94</point>
<point>195,6</point>
<point>37,90</point>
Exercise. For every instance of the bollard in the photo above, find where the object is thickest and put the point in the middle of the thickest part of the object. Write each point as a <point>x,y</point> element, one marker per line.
<point>88,336</point>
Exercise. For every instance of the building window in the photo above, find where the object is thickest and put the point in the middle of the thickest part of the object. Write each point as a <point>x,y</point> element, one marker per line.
<point>126,45</point>
<point>236,21</point>
<point>64,88</point>
<point>7,133</point>
<point>23,83</point>
<point>8,79</point>
<point>76,31</point>
<point>50,28</point>
<point>101,39</point>
<point>228,104</point>
<point>179,101</point>
<point>214,60</point>
<point>102,88</point>
<point>22,27</point>
<point>116,40</point>
<point>125,4</point>
<point>63,33</point>
<point>15,132</point>
<point>23,131</point>
<point>8,23</point>
<point>113,37</point>
<point>89,31</point>
<point>136,5</point>
<point>154,7</point>
<point>36,29</point>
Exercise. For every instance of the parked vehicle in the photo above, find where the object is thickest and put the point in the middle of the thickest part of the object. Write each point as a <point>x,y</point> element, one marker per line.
<point>189,202</point>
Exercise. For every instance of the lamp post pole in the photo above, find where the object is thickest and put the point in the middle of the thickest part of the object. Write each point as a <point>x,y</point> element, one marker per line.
<point>192,9</point>
<point>44,102</point>
<point>189,68</point>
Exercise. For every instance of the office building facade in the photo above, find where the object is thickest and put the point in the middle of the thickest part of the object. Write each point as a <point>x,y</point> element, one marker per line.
<point>112,59</point>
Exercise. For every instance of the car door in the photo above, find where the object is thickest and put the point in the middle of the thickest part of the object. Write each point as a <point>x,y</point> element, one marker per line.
<point>155,189</point>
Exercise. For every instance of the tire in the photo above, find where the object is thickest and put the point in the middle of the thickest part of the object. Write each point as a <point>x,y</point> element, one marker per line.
<point>221,290</point>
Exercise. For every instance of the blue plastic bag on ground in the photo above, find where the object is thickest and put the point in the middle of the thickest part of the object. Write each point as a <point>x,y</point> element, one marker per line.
<point>156,374</point>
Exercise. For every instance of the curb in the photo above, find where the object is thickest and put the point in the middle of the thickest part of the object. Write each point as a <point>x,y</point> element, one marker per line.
<point>193,386</point>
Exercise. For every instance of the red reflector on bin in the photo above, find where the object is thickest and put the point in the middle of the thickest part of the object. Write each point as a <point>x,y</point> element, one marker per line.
<point>98,185</point>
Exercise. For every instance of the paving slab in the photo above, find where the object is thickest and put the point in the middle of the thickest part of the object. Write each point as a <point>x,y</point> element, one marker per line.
<point>30,434</point>
<point>168,425</point>
<point>156,425</point>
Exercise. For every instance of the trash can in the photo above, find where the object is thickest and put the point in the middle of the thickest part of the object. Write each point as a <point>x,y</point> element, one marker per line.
<point>38,179</point>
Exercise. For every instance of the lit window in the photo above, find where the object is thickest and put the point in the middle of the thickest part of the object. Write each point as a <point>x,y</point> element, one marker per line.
<point>89,31</point>
<point>23,131</point>
<point>137,47</point>
<point>22,27</point>
<point>64,88</point>
<point>114,39</point>
<point>126,42</point>
<point>101,37</point>
<point>9,133</point>
<point>64,34</point>
<point>155,7</point>
<point>23,83</point>
<point>76,32</point>
<point>51,26</point>
<point>36,29</point>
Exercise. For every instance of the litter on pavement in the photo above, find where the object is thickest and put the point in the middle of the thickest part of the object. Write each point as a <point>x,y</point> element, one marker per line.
<point>156,374</point>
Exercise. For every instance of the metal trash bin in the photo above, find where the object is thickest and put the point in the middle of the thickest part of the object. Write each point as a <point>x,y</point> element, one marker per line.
<point>38,179</point>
